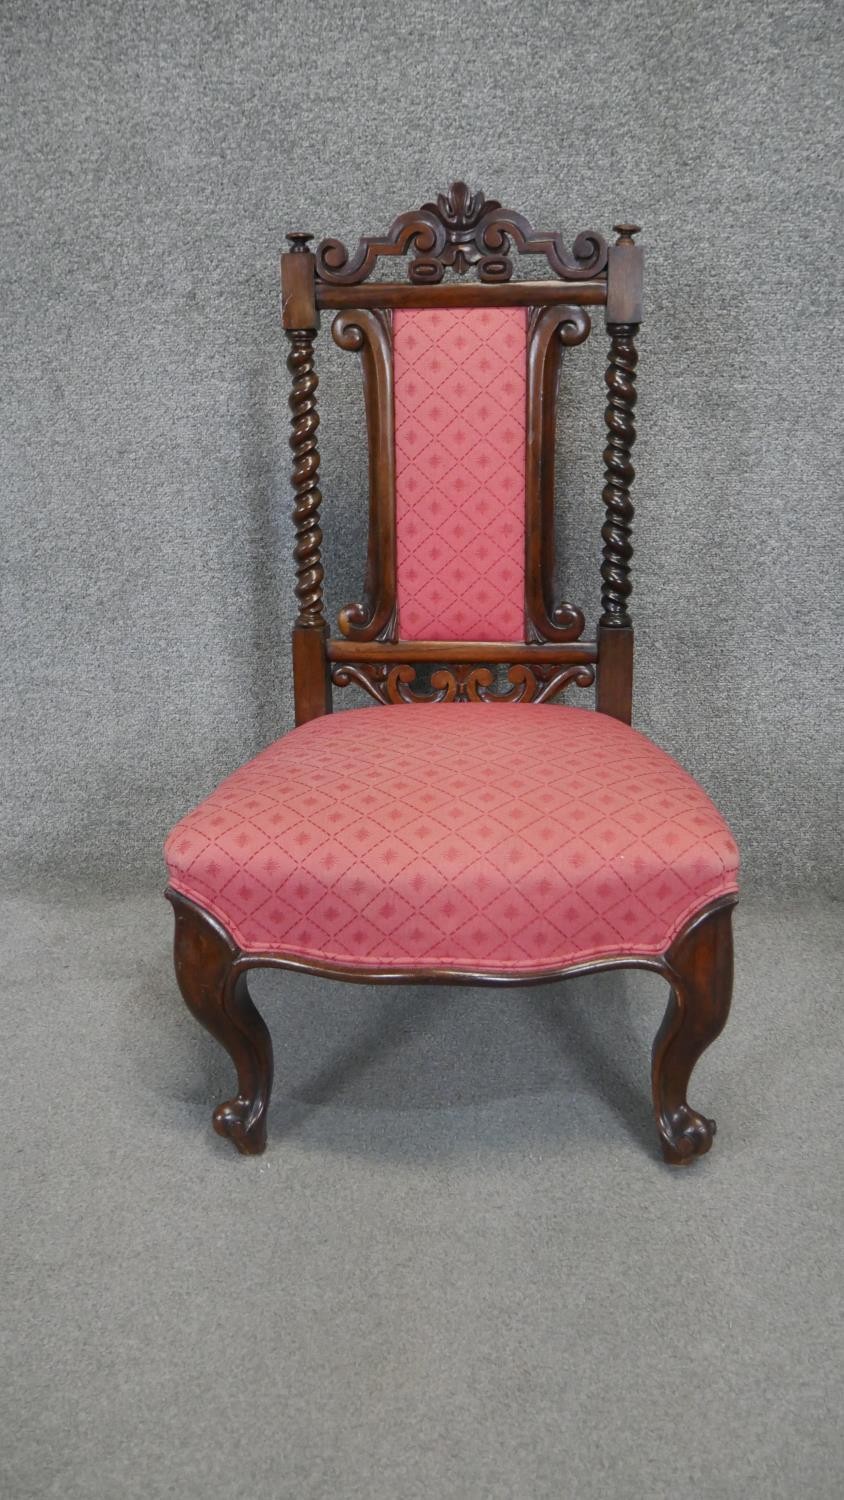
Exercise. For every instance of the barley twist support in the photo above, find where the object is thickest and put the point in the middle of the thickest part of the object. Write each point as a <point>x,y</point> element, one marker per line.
<point>618,475</point>
<point>305,421</point>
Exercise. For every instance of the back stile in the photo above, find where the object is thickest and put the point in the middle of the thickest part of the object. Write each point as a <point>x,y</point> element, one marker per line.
<point>311,682</point>
<point>615,628</point>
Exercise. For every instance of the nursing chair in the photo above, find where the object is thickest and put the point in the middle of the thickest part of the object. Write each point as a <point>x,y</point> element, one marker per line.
<point>468,829</point>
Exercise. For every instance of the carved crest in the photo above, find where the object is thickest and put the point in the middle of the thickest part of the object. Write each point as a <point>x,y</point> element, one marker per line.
<point>461,212</point>
<point>460,230</point>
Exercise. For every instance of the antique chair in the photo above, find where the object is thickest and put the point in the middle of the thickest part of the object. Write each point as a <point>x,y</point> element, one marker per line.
<point>467,829</point>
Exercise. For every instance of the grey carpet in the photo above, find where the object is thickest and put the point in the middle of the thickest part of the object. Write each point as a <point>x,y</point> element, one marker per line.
<point>152,156</point>
<point>459,1271</point>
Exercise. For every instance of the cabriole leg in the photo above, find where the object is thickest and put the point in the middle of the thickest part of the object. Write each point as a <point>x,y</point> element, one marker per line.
<point>204,954</point>
<point>699,968</point>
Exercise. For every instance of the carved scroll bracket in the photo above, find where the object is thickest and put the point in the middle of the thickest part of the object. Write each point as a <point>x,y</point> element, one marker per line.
<point>369,333</point>
<point>551,330</point>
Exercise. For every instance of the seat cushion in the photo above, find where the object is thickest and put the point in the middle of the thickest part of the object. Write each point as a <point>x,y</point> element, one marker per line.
<point>471,836</point>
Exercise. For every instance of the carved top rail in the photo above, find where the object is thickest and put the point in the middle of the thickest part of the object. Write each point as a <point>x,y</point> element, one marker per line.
<point>461,230</point>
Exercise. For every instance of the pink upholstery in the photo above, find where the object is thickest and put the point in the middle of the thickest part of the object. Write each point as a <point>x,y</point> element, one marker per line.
<point>460,472</point>
<point>474,836</point>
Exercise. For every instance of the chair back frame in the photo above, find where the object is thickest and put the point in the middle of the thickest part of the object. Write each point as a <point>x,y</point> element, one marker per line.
<point>463,231</point>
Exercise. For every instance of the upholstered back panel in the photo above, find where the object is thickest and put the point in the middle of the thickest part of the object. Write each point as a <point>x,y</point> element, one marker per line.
<point>460,473</point>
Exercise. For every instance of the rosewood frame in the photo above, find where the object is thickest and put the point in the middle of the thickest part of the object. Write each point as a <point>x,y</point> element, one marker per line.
<point>459,232</point>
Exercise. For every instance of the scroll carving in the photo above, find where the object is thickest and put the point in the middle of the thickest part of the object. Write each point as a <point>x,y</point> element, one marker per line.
<point>618,473</point>
<point>551,330</point>
<point>460,230</point>
<point>304,424</point>
<point>369,333</point>
<point>470,684</point>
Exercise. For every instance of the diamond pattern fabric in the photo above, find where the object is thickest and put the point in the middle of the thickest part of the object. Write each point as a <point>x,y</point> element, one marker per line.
<point>472,836</point>
<point>460,472</point>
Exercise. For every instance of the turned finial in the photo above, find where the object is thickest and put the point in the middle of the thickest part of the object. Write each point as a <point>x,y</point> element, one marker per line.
<point>298,240</point>
<point>625,233</point>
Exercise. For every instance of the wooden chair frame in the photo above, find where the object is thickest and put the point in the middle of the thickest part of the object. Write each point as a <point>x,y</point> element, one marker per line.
<point>461,231</point>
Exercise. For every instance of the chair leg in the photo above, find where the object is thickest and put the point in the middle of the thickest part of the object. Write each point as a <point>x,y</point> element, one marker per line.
<point>699,968</point>
<point>204,954</point>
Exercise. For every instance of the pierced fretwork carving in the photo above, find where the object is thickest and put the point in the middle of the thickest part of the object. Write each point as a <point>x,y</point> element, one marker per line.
<point>461,684</point>
<point>618,473</point>
<point>305,421</point>
<point>461,230</point>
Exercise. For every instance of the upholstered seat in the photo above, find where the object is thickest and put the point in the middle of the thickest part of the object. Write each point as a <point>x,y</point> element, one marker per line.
<point>474,836</point>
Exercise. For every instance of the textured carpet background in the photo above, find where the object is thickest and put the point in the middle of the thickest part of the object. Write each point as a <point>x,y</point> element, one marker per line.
<point>153,155</point>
